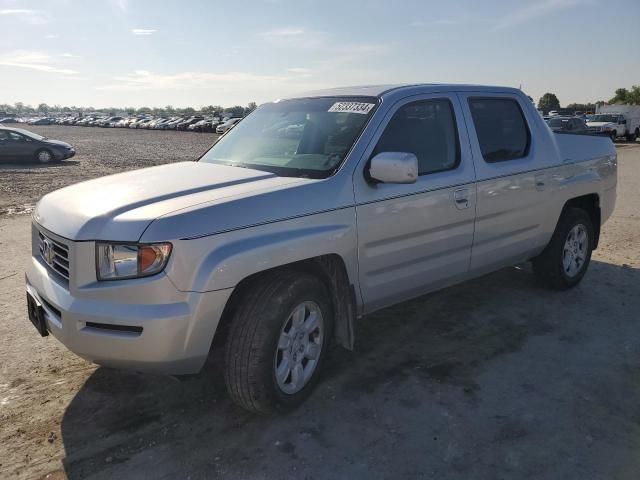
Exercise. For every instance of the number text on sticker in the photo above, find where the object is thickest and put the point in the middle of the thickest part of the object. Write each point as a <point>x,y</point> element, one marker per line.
<point>352,107</point>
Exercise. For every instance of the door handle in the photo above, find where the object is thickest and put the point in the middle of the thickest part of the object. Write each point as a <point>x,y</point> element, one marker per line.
<point>539,179</point>
<point>461,198</point>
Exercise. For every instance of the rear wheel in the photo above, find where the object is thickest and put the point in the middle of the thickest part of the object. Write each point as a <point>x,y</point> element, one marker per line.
<point>43,156</point>
<point>277,342</point>
<point>564,261</point>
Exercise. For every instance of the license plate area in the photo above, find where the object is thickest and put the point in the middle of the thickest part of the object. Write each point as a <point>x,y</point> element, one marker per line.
<point>37,315</point>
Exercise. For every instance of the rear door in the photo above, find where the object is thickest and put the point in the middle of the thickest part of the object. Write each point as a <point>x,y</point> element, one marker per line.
<point>512,191</point>
<point>416,238</point>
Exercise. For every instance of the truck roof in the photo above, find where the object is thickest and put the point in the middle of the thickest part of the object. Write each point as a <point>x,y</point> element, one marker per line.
<point>382,90</point>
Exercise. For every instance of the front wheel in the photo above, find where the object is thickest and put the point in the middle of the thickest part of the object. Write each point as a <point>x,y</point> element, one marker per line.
<point>613,136</point>
<point>564,261</point>
<point>43,156</point>
<point>277,341</point>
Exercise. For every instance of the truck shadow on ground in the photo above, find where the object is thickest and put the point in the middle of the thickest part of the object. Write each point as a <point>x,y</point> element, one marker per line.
<point>128,425</point>
<point>30,165</point>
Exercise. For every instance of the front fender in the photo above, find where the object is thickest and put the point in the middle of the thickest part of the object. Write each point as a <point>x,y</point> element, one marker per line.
<point>222,261</point>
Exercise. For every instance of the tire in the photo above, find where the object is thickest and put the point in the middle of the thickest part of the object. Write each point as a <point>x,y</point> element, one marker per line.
<point>43,156</point>
<point>564,261</point>
<point>613,136</point>
<point>262,343</point>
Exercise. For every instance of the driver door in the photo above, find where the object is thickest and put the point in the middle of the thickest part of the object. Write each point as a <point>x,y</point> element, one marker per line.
<point>12,145</point>
<point>414,238</point>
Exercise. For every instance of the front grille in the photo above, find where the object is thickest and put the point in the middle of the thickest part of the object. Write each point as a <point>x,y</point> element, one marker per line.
<point>55,254</point>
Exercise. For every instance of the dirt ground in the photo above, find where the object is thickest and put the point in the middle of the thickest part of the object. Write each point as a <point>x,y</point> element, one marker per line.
<point>497,378</point>
<point>101,151</point>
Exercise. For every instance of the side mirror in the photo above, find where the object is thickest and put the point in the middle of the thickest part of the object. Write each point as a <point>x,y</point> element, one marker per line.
<point>394,167</point>
<point>622,122</point>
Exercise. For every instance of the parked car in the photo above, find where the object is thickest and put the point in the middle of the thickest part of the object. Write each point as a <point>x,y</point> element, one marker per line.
<point>8,120</point>
<point>108,121</point>
<point>17,144</point>
<point>152,124</point>
<point>124,122</point>
<point>567,124</point>
<point>385,194</point>
<point>170,124</point>
<point>617,121</point>
<point>199,126</point>
<point>228,125</point>
<point>187,122</point>
<point>140,123</point>
<point>40,121</point>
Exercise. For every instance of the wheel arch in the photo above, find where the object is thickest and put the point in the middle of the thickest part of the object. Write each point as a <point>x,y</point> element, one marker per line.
<point>590,203</point>
<point>331,270</point>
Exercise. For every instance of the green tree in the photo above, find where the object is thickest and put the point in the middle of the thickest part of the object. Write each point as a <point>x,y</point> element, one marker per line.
<point>211,109</point>
<point>584,107</point>
<point>250,108</point>
<point>620,96</point>
<point>548,102</point>
<point>43,108</point>
<point>634,95</point>
<point>236,111</point>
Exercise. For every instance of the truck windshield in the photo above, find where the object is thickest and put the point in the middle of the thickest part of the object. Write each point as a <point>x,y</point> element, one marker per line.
<point>604,118</point>
<point>307,137</point>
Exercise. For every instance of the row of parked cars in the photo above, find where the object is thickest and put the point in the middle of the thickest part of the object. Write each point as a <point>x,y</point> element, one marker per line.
<point>195,123</point>
<point>613,121</point>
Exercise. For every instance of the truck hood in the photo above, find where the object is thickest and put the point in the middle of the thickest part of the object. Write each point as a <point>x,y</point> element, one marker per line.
<point>120,207</point>
<point>600,124</point>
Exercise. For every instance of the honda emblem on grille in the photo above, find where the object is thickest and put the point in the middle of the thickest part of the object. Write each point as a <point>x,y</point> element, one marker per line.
<point>47,251</point>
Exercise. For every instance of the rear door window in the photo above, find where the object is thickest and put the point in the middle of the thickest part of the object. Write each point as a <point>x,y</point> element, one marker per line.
<point>502,130</point>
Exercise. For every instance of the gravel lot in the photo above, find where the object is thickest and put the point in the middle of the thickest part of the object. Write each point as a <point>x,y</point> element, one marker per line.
<point>494,378</point>
<point>100,151</point>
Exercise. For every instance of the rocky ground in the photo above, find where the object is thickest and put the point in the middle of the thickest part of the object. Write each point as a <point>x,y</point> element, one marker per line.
<point>493,378</point>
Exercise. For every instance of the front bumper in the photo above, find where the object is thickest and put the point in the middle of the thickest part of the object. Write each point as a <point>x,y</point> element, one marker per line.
<point>167,338</point>
<point>63,154</point>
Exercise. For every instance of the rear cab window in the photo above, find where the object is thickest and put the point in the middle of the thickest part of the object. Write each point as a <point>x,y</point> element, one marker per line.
<point>503,133</point>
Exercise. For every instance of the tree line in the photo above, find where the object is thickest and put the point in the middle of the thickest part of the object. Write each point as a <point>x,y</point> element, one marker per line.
<point>20,108</point>
<point>549,101</point>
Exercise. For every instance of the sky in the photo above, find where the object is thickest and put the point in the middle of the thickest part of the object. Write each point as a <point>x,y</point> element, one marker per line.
<point>195,53</point>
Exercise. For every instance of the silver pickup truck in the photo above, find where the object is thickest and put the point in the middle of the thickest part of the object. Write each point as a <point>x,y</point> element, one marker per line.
<point>309,213</point>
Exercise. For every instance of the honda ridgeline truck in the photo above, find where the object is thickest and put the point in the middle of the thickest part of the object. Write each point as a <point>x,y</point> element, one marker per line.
<point>313,211</point>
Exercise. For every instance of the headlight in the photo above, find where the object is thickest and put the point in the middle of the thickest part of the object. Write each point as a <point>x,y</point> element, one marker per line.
<point>119,261</point>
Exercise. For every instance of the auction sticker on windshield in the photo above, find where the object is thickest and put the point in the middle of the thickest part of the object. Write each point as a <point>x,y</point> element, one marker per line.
<point>352,107</point>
